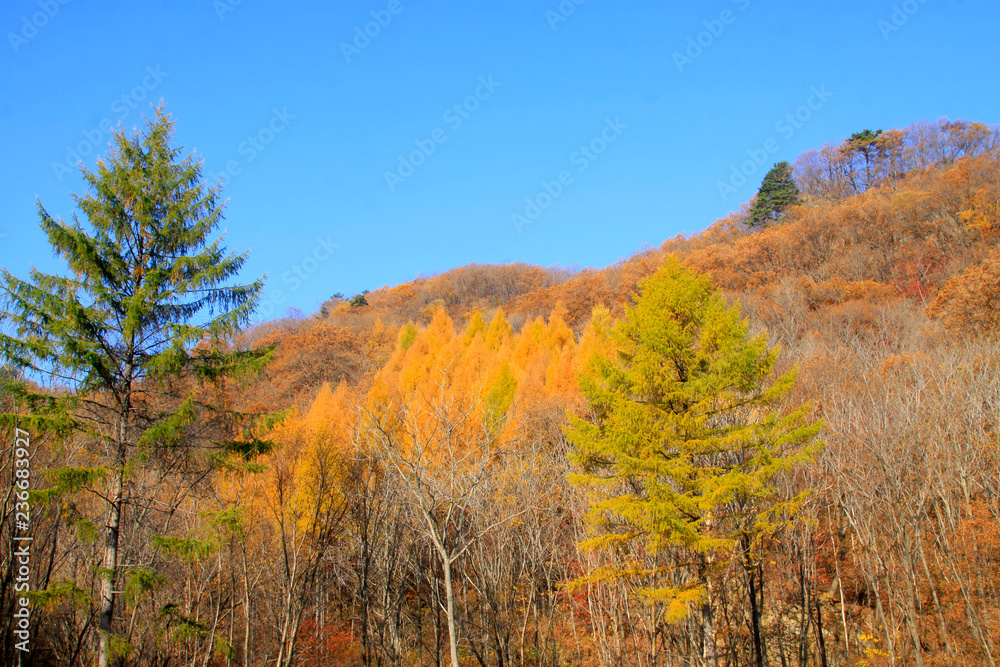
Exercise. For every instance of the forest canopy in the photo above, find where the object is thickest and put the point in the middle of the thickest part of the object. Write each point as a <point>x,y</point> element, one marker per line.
<point>772,442</point>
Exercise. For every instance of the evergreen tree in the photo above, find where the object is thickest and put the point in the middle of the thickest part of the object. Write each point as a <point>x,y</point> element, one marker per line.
<point>868,145</point>
<point>777,192</point>
<point>685,443</point>
<point>136,339</point>
<point>359,300</point>
<point>865,142</point>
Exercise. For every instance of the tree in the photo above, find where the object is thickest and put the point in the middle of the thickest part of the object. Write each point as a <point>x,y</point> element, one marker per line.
<point>777,192</point>
<point>301,495</point>
<point>439,417</point>
<point>359,300</point>
<point>867,144</point>
<point>685,441</point>
<point>127,335</point>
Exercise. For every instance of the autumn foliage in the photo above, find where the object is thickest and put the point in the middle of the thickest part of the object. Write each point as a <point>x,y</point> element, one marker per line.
<point>508,465</point>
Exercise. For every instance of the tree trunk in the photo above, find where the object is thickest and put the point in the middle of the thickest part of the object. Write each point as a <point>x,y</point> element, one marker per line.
<point>755,614</point>
<point>708,649</point>
<point>449,590</point>
<point>819,630</point>
<point>912,621</point>
<point>109,573</point>
<point>708,636</point>
<point>246,606</point>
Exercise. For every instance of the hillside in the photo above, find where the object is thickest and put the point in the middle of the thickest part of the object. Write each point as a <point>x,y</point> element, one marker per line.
<point>769,443</point>
<point>880,290</point>
<point>915,226</point>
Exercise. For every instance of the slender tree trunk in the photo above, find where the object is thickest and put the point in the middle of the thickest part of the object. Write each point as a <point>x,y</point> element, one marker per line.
<point>752,571</point>
<point>781,651</point>
<point>806,615</point>
<point>708,648</point>
<point>708,653</point>
<point>436,600</point>
<point>109,573</point>
<point>755,614</point>
<point>365,562</point>
<point>912,621</point>
<point>819,630</point>
<point>840,589</point>
<point>246,607</point>
<point>449,590</point>
<point>937,603</point>
<point>210,644</point>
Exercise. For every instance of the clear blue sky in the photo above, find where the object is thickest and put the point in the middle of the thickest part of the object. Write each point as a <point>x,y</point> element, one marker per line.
<point>329,122</point>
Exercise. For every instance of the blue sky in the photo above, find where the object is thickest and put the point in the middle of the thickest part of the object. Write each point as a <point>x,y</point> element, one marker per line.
<point>415,147</point>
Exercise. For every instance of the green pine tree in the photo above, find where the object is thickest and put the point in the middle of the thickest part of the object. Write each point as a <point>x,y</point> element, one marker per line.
<point>865,142</point>
<point>868,145</point>
<point>777,192</point>
<point>359,300</point>
<point>686,442</point>
<point>135,337</point>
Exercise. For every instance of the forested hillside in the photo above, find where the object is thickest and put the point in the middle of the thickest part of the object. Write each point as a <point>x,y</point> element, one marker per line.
<point>774,442</point>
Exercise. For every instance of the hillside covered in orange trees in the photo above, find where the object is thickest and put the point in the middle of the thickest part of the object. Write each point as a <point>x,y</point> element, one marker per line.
<point>914,229</point>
